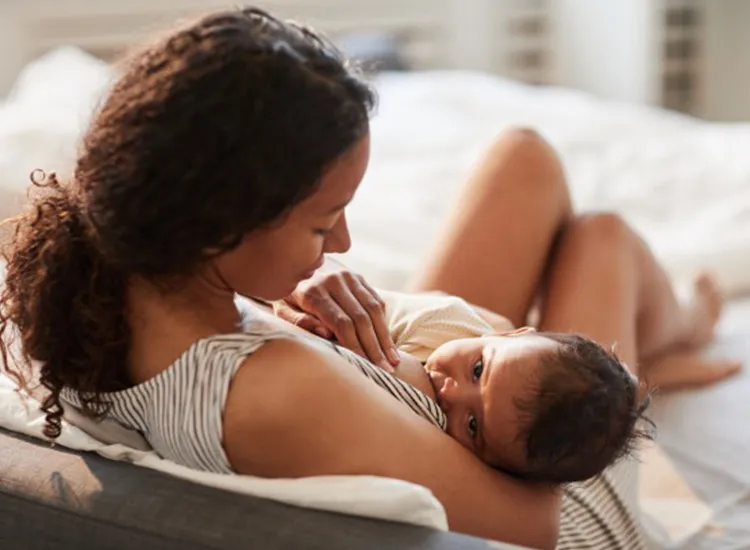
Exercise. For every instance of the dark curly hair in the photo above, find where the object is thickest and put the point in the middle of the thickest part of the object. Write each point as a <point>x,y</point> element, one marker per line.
<point>210,132</point>
<point>586,412</point>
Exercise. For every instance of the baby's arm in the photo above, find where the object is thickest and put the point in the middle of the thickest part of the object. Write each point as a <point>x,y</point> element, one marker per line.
<point>421,322</point>
<point>496,321</point>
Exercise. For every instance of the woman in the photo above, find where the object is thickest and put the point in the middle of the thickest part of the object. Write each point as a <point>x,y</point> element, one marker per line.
<point>221,163</point>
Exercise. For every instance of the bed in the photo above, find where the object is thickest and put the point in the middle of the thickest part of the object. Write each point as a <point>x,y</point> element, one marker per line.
<point>685,184</point>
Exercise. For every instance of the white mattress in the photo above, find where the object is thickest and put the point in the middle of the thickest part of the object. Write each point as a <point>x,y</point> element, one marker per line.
<point>685,184</point>
<point>707,435</point>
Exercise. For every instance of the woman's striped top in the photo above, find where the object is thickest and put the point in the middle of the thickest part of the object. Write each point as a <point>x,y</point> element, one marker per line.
<point>179,411</point>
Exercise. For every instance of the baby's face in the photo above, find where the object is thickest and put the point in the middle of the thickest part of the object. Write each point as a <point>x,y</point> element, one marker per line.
<point>476,381</point>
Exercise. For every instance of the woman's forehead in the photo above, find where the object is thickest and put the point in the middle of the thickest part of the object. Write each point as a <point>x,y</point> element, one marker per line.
<point>340,181</point>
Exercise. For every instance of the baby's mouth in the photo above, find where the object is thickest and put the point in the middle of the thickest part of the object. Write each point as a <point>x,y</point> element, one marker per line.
<point>437,379</point>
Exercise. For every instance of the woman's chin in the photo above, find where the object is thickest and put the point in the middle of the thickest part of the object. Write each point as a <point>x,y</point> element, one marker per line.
<point>275,293</point>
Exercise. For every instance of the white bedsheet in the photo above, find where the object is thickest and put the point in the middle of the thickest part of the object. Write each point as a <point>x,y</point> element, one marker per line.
<point>707,436</point>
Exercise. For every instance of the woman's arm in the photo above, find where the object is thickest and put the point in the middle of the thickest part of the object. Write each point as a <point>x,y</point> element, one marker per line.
<point>294,410</point>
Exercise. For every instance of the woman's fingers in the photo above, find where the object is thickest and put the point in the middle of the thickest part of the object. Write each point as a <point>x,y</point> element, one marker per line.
<point>351,321</point>
<point>301,319</point>
<point>351,310</point>
<point>375,308</point>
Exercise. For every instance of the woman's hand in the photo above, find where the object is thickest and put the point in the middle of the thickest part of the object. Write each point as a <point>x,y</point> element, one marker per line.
<point>340,304</point>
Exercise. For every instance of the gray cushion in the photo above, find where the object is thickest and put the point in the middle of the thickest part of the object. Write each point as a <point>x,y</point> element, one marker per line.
<point>54,498</point>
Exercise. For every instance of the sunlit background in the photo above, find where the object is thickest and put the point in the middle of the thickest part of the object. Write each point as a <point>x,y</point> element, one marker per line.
<point>683,54</point>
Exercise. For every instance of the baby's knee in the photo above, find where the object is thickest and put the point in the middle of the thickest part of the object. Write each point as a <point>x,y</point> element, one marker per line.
<point>522,156</point>
<point>523,140</point>
<point>608,228</point>
<point>523,134</point>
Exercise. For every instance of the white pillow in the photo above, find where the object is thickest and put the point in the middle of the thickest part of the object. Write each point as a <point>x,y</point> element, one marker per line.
<point>43,118</point>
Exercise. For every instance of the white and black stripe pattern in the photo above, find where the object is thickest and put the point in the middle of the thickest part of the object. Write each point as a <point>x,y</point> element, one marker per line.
<point>416,400</point>
<point>404,392</point>
<point>179,411</point>
<point>602,514</point>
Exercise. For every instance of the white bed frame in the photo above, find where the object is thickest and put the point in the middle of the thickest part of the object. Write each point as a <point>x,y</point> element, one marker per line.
<point>487,35</point>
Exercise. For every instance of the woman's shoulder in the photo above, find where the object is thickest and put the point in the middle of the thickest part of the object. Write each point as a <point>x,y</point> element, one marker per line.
<point>273,393</point>
<point>205,355</point>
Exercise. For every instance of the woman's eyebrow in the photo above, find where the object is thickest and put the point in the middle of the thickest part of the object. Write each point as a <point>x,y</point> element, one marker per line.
<point>338,207</point>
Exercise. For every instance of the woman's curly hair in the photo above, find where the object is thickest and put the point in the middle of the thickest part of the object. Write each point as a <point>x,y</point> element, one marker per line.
<point>215,130</point>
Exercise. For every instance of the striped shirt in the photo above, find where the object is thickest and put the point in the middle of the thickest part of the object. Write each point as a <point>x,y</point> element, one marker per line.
<point>180,410</point>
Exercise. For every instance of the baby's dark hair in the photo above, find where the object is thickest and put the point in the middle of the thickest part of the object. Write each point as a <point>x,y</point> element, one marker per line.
<point>584,414</point>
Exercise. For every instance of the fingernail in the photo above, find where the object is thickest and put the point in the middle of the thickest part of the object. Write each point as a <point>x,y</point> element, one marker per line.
<point>393,356</point>
<point>386,367</point>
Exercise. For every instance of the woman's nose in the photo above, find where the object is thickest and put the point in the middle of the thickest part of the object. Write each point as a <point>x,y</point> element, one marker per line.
<point>338,240</point>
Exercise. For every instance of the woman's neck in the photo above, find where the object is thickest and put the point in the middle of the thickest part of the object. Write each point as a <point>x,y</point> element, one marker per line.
<point>166,321</point>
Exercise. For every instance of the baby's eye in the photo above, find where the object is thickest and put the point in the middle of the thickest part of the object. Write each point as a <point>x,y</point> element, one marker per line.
<point>476,371</point>
<point>472,426</point>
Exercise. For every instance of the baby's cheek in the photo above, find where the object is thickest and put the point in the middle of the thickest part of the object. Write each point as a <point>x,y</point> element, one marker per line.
<point>456,434</point>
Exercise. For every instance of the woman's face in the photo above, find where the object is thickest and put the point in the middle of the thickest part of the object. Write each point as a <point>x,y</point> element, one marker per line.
<point>269,263</point>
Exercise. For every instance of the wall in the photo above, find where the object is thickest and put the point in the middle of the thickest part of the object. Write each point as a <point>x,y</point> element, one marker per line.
<point>608,47</point>
<point>726,61</point>
<point>11,45</point>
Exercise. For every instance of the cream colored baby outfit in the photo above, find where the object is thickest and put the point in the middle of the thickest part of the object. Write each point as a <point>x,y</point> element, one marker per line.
<point>420,323</point>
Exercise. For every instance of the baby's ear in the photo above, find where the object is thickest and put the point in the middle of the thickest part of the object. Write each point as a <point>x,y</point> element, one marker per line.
<point>518,331</point>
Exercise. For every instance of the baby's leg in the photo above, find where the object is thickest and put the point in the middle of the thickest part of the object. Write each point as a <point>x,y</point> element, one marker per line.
<point>495,246</point>
<point>683,369</point>
<point>667,323</point>
<point>594,286</point>
<point>671,331</point>
<point>605,283</point>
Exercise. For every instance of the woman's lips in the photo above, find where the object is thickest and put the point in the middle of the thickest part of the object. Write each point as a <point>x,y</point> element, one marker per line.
<point>317,266</point>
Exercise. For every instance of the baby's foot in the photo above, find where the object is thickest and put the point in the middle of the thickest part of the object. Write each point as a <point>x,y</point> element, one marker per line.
<point>685,369</point>
<point>702,311</point>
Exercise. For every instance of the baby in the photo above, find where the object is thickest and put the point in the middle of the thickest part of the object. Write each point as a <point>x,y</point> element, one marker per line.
<point>541,406</point>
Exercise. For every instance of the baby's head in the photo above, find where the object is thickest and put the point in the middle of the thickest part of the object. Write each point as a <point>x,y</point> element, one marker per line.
<point>543,406</point>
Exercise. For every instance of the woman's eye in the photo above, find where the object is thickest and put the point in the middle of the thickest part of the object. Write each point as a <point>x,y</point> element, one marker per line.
<point>476,371</point>
<point>322,232</point>
<point>472,426</point>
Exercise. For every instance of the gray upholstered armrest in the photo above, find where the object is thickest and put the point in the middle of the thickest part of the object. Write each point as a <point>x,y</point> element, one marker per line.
<point>53,498</point>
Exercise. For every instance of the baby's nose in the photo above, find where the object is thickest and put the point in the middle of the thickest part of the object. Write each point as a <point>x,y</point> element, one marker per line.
<point>449,390</point>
